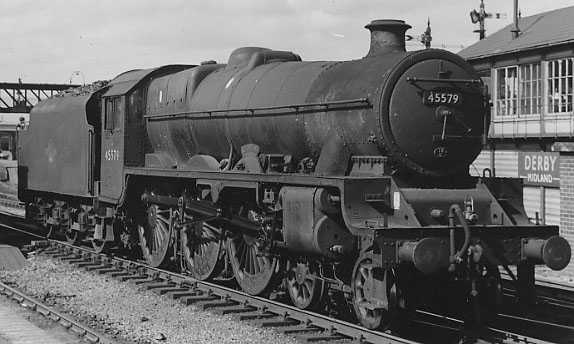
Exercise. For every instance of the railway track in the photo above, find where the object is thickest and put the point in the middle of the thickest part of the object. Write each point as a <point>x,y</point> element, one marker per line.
<point>555,294</point>
<point>547,291</point>
<point>304,325</point>
<point>500,334</point>
<point>29,302</point>
<point>554,303</point>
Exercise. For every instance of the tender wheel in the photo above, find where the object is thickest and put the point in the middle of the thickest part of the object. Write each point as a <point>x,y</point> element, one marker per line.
<point>305,289</point>
<point>374,295</point>
<point>201,246</point>
<point>72,236</point>
<point>99,245</point>
<point>52,230</point>
<point>99,242</point>
<point>155,235</point>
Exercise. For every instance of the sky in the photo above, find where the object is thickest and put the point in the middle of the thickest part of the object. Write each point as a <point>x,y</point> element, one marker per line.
<point>85,40</point>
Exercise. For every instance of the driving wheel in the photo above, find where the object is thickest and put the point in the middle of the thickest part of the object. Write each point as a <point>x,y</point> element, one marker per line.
<point>201,247</point>
<point>155,235</point>
<point>253,268</point>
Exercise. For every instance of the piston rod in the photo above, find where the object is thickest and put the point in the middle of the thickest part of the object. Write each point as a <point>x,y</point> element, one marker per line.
<point>206,209</point>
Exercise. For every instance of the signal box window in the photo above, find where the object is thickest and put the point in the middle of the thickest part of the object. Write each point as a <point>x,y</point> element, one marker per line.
<point>506,91</point>
<point>560,75</point>
<point>518,90</point>
<point>112,113</point>
<point>530,89</point>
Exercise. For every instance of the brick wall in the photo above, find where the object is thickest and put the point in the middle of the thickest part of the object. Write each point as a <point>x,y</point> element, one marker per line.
<point>567,204</point>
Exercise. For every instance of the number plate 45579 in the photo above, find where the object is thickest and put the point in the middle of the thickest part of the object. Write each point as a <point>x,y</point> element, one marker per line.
<point>436,97</point>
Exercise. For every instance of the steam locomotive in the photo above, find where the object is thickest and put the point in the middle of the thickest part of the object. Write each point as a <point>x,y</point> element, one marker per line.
<point>318,178</point>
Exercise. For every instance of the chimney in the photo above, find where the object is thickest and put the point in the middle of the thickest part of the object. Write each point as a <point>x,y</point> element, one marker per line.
<point>387,35</point>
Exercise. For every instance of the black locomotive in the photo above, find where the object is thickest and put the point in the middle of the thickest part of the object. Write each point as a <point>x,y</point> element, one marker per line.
<point>319,178</point>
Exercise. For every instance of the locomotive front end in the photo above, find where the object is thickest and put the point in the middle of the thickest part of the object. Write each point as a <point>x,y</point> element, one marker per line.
<point>432,108</point>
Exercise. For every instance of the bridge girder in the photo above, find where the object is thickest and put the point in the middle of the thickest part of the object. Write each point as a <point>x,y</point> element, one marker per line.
<point>21,97</point>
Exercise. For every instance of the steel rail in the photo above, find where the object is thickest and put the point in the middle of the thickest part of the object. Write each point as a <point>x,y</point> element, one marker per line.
<point>545,283</point>
<point>504,334</point>
<point>538,322</point>
<point>23,231</point>
<point>555,293</point>
<point>49,312</point>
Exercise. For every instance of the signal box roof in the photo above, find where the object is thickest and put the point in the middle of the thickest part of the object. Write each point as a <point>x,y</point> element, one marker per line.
<point>538,31</point>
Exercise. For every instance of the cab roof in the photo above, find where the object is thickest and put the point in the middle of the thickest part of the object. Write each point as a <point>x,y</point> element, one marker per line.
<point>127,81</point>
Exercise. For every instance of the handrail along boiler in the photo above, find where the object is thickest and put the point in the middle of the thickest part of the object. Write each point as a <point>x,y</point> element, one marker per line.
<point>344,181</point>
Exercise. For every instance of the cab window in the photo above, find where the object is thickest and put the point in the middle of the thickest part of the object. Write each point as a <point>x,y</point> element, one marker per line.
<point>112,105</point>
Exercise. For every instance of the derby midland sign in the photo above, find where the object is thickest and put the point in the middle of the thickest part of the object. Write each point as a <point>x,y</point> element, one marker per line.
<point>539,168</point>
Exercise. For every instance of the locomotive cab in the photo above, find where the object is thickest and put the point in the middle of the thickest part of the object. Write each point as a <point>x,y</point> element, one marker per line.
<point>112,146</point>
<point>123,131</point>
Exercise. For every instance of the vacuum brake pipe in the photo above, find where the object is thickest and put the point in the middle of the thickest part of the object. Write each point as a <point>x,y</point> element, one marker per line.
<point>555,251</point>
<point>430,254</point>
<point>456,212</point>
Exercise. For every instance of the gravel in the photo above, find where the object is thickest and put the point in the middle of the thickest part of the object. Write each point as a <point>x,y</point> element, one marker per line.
<point>125,312</point>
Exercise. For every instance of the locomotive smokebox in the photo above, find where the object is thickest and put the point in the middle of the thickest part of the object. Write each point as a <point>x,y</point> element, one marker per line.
<point>387,35</point>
